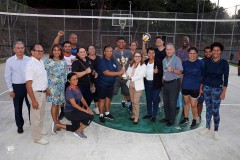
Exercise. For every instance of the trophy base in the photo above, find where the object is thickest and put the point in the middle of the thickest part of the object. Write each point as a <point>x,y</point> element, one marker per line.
<point>124,76</point>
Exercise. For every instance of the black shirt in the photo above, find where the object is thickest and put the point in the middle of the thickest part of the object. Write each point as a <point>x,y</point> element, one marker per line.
<point>160,55</point>
<point>79,66</point>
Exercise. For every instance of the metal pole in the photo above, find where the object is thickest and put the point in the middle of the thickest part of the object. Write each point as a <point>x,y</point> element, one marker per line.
<point>175,29</point>
<point>92,29</point>
<point>215,22</point>
<point>129,28</point>
<point>64,26</point>
<point>37,27</point>
<point>233,29</point>
<point>200,34</point>
<point>195,43</point>
<point>9,31</point>
<point>25,18</point>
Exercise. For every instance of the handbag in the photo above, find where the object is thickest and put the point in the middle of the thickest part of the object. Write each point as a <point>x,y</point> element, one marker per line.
<point>92,85</point>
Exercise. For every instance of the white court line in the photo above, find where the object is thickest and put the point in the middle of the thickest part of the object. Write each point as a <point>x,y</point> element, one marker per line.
<point>234,84</point>
<point>3,92</point>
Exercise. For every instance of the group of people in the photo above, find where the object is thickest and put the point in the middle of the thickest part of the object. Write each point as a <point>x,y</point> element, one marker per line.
<point>72,77</point>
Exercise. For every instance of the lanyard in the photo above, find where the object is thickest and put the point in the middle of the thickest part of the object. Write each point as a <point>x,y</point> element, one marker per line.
<point>168,63</point>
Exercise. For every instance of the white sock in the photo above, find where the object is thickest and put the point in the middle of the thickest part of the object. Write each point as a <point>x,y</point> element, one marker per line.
<point>100,115</point>
<point>106,113</point>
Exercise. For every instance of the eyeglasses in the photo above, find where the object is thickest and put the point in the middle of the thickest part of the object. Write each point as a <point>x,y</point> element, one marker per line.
<point>39,51</point>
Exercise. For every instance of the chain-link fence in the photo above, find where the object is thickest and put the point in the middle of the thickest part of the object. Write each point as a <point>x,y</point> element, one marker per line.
<point>100,32</point>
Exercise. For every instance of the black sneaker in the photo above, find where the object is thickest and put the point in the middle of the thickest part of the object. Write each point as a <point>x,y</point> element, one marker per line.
<point>20,130</point>
<point>184,122</point>
<point>123,105</point>
<point>147,116</point>
<point>61,115</point>
<point>153,119</point>
<point>164,120</point>
<point>101,119</point>
<point>109,116</point>
<point>194,123</point>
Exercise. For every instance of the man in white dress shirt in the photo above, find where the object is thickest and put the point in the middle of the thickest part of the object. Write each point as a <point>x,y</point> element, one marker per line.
<point>37,89</point>
<point>16,83</point>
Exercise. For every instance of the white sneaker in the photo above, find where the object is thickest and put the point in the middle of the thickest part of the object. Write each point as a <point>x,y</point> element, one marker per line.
<point>44,132</point>
<point>216,135</point>
<point>205,131</point>
<point>96,110</point>
<point>54,128</point>
<point>42,141</point>
<point>198,120</point>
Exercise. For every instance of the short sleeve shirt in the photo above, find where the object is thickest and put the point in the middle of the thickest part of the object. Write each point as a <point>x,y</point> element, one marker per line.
<point>71,93</point>
<point>176,64</point>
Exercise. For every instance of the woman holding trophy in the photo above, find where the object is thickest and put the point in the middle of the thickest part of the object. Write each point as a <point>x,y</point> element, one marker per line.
<point>136,73</point>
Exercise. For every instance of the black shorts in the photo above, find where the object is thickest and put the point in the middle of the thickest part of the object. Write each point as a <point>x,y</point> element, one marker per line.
<point>191,93</point>
<point>105,92</point>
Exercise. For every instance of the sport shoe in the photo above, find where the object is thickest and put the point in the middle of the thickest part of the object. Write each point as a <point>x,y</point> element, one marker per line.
<point>96,110</point>
<point>61,115</point>
<point>216,135</point>
<point>80,135</point>
<point>123,105</point>
<point>109,116</point>
<point>147,116</point>
<point>194,123</point>
<point>199,120</point>
<point>204,131</point>
<point>184,121</point>
<point>44,132</point>
<point>101,119</point>
<point>42,141</point>
<point>54,128</point>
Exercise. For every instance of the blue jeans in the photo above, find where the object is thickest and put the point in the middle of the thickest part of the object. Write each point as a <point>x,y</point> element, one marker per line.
<point>152,97</point>
<point>213,101</point>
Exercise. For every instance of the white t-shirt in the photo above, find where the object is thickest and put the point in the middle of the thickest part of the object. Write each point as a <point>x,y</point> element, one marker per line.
<point>69,61</point>
<point>149,69</point>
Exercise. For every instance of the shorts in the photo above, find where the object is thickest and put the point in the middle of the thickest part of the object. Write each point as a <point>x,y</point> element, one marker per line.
<point>121,83</point>
<point>191,93</point>
<point>105,92</point>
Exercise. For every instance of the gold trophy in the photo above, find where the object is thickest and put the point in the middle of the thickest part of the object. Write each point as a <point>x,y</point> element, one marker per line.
<point>123,61</point>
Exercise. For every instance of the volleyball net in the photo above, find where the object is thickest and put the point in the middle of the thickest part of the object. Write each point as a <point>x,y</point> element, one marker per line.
<point>102,27</point>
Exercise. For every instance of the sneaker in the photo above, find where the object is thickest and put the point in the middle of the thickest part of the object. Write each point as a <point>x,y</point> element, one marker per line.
<point>153,119</point>
<point>61,115</point>
<point>80,135</point>
<point>123,105</point>
<point>54,128</point>
<point>199,120</point>
<point>184,121</point>
<point>42,141</point>
<point>96,110</point>
<point>194,123</point>
<point>44,132</point>
<point>164,120</point>
<point>101,119</point>
<point>109,116</point>
<point>20,130</point>
<point>205,131</point>
<point>216,135</point>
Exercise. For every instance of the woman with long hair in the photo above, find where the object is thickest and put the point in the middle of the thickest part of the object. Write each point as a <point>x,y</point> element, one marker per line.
<point>76,109</point>
<point>56,69</point>
<point>136,73</point>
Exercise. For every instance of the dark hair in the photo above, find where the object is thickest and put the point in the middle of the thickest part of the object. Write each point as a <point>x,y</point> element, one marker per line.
<point>193,48</point>
<point>134,42</point>
<point>207,47</point>
<point>105,47</point>
<point>133,61</point>
<point>163,38</point>
<point>65,43</point>
<point>150,49</point>
<point>217,44</point>
<point>32,48</point>
<point>120,38</point>
<point>51,51</point>
<point>69,76</point>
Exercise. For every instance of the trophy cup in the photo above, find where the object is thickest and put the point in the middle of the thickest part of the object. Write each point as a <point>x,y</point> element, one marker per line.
<point>123,61</point>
